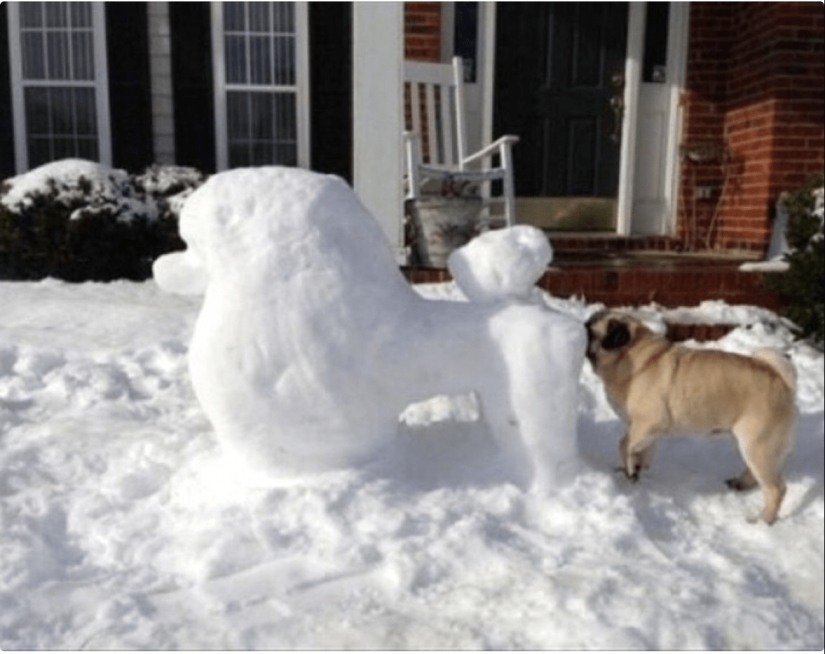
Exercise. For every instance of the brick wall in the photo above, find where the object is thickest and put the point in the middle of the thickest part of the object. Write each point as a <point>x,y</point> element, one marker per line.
<point>422,31</point>
<point>422,42</point>
<point>755,91</point>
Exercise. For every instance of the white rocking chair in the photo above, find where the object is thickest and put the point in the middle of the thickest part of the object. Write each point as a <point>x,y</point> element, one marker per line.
<point>441,124</point>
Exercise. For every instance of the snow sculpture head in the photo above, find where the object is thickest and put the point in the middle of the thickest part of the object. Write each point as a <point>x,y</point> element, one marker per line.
<point>310,343</point>
<point>501,264</point>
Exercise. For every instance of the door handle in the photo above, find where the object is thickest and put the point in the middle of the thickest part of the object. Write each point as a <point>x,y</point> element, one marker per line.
<point>617,105</point>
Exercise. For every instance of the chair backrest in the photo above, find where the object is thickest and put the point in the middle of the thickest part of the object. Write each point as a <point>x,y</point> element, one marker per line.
<point>434,107</point>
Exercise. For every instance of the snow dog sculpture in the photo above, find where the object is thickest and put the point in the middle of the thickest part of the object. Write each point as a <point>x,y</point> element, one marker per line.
<point>310,342</point>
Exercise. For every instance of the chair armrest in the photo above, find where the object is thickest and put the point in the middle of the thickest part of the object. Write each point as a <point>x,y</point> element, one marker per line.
<point>499,144</point>
<point>412,161</point>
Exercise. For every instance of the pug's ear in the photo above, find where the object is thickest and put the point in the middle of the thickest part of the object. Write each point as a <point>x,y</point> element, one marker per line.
<point>618,335</point>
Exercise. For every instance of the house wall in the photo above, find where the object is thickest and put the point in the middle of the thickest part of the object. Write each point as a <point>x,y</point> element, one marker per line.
<point>422,31</point>
<point>754,90</point>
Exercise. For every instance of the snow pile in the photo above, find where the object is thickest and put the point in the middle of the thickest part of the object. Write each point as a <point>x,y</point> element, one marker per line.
<point>88,186</point>
<point>310,344</point>
<point>120,530</point>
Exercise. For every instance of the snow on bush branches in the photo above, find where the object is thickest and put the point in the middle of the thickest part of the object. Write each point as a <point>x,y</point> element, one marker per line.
<point>79,220</point>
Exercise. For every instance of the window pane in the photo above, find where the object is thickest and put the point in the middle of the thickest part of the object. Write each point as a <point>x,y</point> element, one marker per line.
<point>85,111</point>
<point>56,14</point>
<point>233,17</point>
<point>39,152</point>
<point>36,101</point>
<point>237,113</point>
<point>284,60</point>
<point>64,148</point>
<point>31,14</point>
<point>286,154</point>
<point>283,17</point>
<point>34,66</point>
<point>263,154</point>
<point>238,154</point>
<point>61,111</point>
<point>261,60</point>
<point>82,56</point>
<point>286,124</point>
<point>258,17</point>
<point>235,60</point>
<point>81,14</point>
<point>57,45</point>
<point>262,112</point>
<point>87,148</point>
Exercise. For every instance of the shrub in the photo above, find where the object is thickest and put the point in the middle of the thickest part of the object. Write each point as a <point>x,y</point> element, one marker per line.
<point>803,285</point>
<point>80,221</point>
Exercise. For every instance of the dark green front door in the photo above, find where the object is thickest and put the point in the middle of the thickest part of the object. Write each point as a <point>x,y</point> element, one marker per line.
<point>558,85</point>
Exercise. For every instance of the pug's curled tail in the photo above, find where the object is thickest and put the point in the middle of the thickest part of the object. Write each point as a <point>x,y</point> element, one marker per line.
<point>779,363</point>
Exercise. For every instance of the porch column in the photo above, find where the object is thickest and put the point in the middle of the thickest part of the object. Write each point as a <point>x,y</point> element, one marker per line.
<point>377,62</point>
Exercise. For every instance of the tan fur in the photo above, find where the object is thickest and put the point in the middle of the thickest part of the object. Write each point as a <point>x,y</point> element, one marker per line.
<point>659,388</point>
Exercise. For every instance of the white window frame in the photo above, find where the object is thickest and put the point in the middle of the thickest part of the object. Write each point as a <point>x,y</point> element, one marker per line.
<point>18,84</point>
<point>300,88</point>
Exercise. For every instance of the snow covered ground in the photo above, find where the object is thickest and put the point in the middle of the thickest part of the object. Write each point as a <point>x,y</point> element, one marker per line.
<point>121,528</point>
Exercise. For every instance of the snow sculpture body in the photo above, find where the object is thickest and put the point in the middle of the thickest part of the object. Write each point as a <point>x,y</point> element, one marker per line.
<point>310,343</point>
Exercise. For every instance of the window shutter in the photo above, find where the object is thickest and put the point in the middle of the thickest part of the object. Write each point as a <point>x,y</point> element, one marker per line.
<point>130,93</point>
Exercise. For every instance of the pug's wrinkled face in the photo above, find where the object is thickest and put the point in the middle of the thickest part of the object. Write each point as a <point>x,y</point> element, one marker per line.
<point>608,333</point>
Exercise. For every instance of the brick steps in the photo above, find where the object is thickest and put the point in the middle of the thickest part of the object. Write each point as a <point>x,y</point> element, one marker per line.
<point>668,283</point>
<point>681,286</point>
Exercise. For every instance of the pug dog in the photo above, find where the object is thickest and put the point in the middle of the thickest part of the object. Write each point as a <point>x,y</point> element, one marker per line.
<point>659,389</point>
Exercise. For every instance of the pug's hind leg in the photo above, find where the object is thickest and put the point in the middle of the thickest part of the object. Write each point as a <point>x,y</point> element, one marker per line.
<point>745,481</point>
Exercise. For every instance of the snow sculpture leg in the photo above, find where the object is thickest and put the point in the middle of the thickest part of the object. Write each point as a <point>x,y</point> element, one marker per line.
<point>310,343</point>
<point>543,354</point>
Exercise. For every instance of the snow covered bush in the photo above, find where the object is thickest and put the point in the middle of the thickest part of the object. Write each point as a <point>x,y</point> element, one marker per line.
<point>803,285</point>
<point>168,187</point>
<point>79,220</point>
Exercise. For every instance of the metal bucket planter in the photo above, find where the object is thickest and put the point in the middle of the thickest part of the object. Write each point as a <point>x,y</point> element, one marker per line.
<point>443,224</point>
